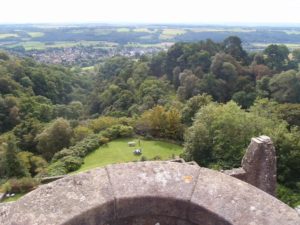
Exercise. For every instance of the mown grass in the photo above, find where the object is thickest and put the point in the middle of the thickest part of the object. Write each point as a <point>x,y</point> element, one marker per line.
<point>118,151</point>
<point>14,198</point>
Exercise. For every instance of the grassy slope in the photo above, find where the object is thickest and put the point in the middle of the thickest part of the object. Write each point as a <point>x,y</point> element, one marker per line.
<point>118,151</point>
<point>14,198</point>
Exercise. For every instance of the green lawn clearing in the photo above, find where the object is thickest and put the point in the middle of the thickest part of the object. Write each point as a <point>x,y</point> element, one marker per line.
<point>118,151</point>
<point>14,198</point>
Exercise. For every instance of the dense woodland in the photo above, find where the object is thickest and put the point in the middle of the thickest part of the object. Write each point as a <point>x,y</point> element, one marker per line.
<point>210,97</point>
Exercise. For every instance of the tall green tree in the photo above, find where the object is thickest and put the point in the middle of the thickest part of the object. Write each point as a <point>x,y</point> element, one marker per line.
<point>54,138</point>
<point>189,85</point>
<point>285,87</point>
<point>277,56</point>
<point>233,46</point>
<point>160,122</point>
<point>221,133</point>
<point>296,55</point>
<point>193,105</point>
<point>12,164</point>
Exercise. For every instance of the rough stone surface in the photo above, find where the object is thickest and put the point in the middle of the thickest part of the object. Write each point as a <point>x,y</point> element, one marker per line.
<point>58,202</point>
<point>148,193</point>
<point>157,184</point>
<point>237,202</point>
<point>238,173</point>
<point>258,165</point>
<point>259,162</point>
<point>47,180</point>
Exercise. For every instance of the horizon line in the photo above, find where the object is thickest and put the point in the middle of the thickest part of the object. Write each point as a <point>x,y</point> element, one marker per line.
<point>115,23</point>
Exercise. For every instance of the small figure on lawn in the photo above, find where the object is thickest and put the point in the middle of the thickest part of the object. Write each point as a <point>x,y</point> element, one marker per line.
<point>137,151</point>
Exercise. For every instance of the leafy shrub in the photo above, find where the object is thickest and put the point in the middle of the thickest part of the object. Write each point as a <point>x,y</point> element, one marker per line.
<point>72,163</point>
<point>218,135</point>
<point>70,159</point>
<point>22,185</point>
<point>54,138</point>
<point>81,149</point>
<point>157,157</point>
<point>148,137</point>
<point>12,166</point>
<point>33,164</point>
<point>62,153</point>
<point>81,132</point>
<point>161,123</point>
<point>57,168</point>
<point>143,158</point>
<point>102,123</point>
<point>118,131</point>
<point>288,195</point>
<point>126,131</point>
<point>6,187</point>
<point>103,140</point>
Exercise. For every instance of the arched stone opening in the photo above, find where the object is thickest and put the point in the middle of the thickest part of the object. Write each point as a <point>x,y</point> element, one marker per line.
<point>149,211</point>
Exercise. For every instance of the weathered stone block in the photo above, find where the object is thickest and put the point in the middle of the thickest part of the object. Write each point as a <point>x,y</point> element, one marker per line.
<point>259,163</point>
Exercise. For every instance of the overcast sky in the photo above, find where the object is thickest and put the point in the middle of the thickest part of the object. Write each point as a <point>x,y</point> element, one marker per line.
<point>150,11</point>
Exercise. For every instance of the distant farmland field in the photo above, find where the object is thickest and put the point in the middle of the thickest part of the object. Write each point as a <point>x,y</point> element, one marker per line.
<point>36,34</point>
<point>171,33</point>
<point>2,36</point>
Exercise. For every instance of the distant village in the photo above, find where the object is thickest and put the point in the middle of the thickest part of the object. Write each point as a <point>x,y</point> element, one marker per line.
<point>86,55</point>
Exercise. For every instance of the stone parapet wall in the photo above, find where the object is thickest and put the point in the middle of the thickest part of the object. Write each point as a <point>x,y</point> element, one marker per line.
<point>157,193</point>
<point>148,193</point>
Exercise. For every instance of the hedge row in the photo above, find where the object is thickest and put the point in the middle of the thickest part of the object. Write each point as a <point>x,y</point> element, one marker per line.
<point>70,159</point>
